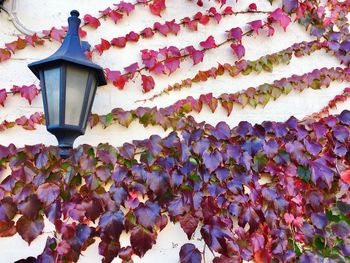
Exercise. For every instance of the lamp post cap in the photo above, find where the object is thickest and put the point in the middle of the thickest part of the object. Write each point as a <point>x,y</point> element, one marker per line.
<point>74,13</point>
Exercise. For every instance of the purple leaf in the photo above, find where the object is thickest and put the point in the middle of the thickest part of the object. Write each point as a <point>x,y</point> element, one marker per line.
<point>319,220</point>
<point>30,207</point>
<point>340,133</point>
<point>321,171</point>
<point>341,229</point>
<point>344,117</point>
<point>147,214</point>
<point>212,160</point>
<point>48,193</point>
<point>8,209</point>
<point>289,6</point>
<point>112,225</point>
<point>201,146</point>
<point>221,131</point>
<point>190,254</point>
<point>158,182</point>
<point>312,147</point>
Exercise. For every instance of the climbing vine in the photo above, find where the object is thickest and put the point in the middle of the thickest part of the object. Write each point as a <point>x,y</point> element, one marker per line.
<point>270,192</point>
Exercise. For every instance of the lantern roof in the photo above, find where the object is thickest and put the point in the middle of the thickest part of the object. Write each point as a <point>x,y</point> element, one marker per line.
<point>70,51</point>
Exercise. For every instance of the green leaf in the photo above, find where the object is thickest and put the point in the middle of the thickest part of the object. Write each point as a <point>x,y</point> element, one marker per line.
<point>316,84</point>
<point>319,243</point>
<point>304,173</point>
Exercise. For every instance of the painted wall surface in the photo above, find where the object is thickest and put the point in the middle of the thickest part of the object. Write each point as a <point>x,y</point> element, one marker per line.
<point>38,15</point>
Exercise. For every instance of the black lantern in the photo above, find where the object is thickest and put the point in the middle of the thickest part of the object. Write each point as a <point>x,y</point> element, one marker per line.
<point>68,80</point>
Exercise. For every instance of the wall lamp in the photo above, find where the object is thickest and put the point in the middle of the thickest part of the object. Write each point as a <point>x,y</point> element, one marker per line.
<point>68,81</point>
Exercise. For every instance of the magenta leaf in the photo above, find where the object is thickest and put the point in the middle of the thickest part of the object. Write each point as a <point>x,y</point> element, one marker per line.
<point>208,43</point>
<point>3,96</point>
<point>255,25</point>
<point>125,7</point>
<point>279,16</point>
<point>238,50</point>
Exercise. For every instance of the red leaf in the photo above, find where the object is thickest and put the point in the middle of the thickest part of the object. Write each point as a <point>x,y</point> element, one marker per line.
<point>147,32</point>
<point>29,229</point>
<point>105,45</point>
<point>255,25</point>
<point>29,92</point>
<point>125,7</point>
<point>279,16</point>
<point>202,19</point>
<point>82,33</point>
<point>189,224</point>
<point>161,28</point>
<point>115,16</point>
<point>120,82</point>
<point>228,10</point>
<point>3,96</point>
<point>345,176</point>
<point>142,240</point>
<point>238,50</point>
<point>132,37</point>
<point>147,83</point>
<point>190,24</point>
<point>91,21</point>
<point>157,7</point>
<point>172,64</point>
<point>173,26</point>
<point>7,229</point>
<point>4,54</point>
<point>209,43</point>
<point>252,7</point>
<point>119,42</point>
<point>209,100</point>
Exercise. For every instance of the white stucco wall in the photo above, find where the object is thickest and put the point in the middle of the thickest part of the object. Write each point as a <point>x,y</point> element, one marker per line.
<point>38,15</point>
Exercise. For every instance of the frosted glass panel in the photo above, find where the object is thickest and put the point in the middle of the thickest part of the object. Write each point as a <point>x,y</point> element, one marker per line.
<point>52,88</point>
<point>75,91</point>
<point>93,87</point>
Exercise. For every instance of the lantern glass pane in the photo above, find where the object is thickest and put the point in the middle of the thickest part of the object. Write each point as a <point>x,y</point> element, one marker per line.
<point>76,80</point>
<point>91,94</point>
<point>52,90</point>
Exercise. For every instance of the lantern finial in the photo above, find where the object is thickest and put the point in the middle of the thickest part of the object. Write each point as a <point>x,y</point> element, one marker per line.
<point>74,13</point>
